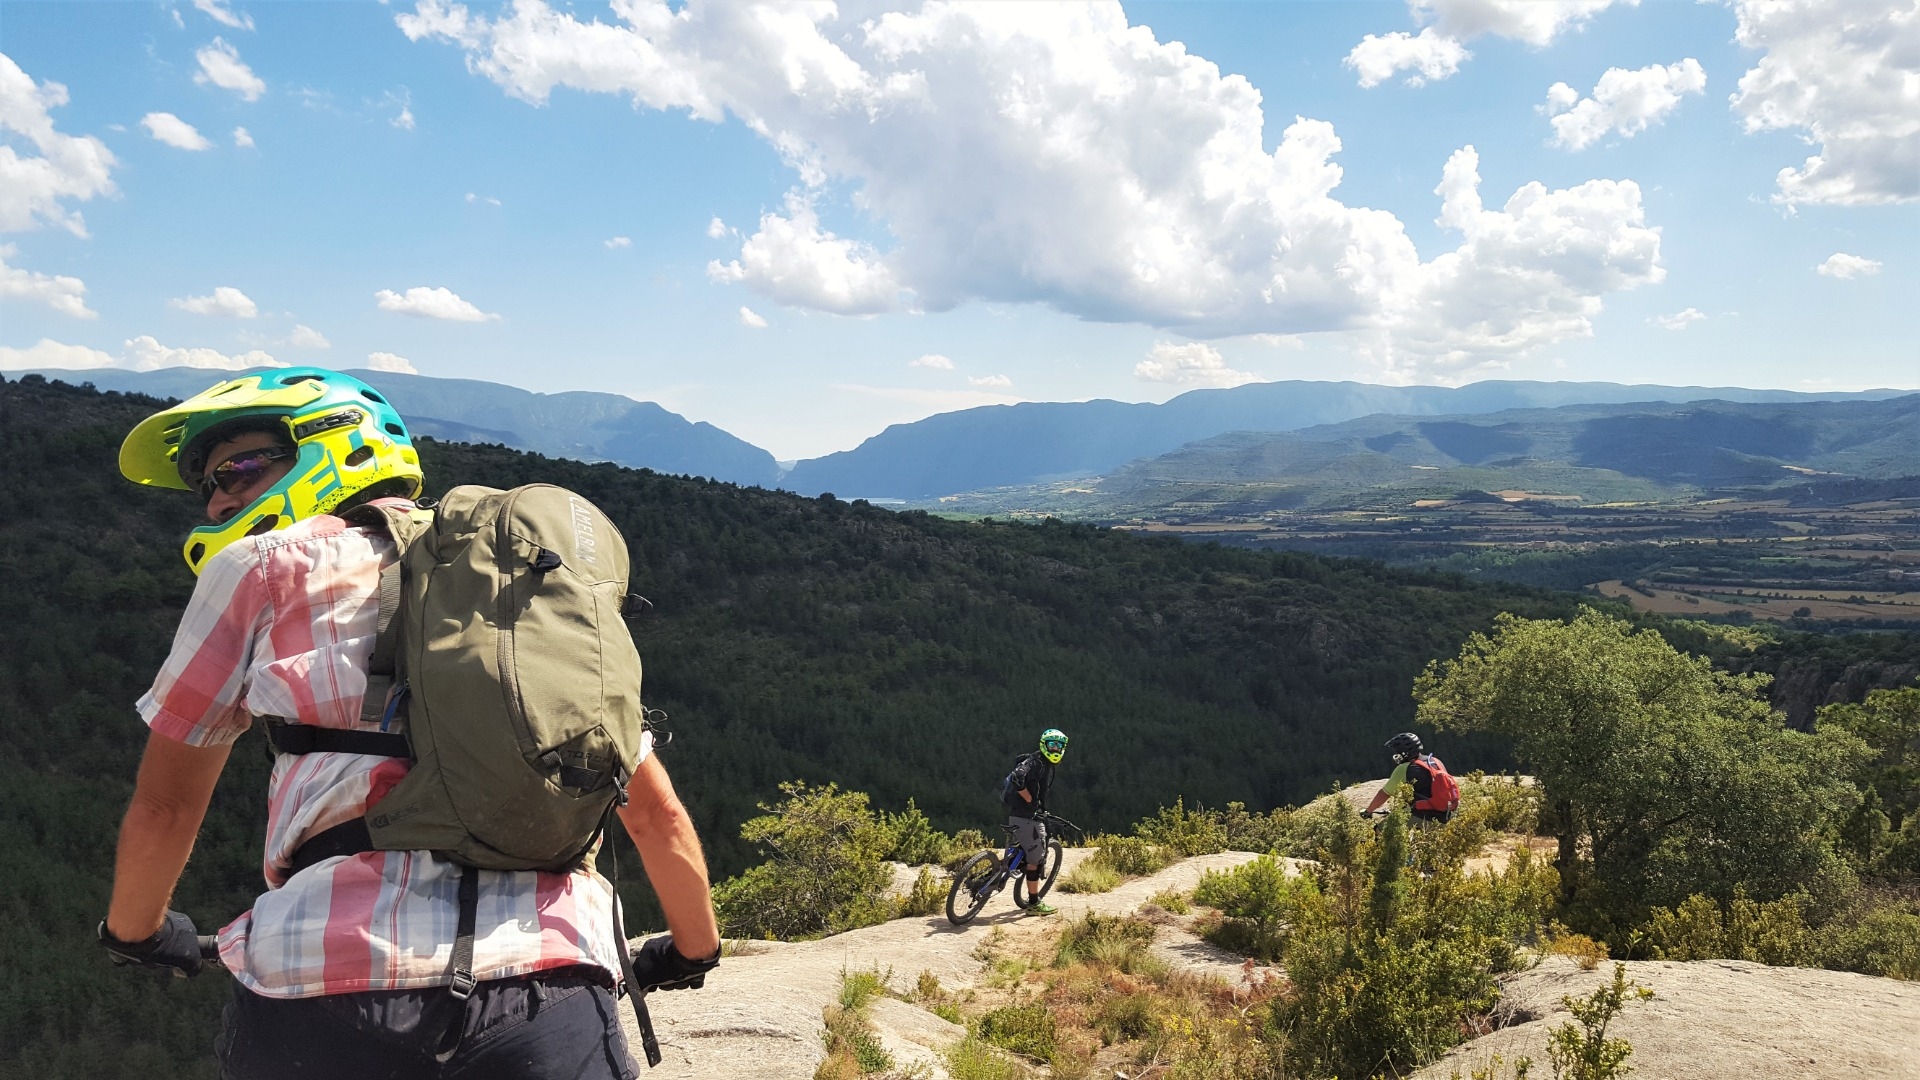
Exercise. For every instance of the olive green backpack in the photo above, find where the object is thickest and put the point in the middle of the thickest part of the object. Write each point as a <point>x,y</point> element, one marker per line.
<point>504,657</point>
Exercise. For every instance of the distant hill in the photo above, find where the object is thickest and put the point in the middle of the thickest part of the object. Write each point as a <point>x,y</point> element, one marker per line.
<point>577,424</point>
<point>1593,453</point>
<point>1033,442</point>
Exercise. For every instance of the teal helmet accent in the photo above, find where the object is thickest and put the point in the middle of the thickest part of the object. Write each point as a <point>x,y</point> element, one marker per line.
<point>346,436</point>
<point>1053,744</point>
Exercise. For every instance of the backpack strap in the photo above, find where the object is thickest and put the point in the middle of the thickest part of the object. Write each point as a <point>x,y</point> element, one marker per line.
<point>382,698</point>
<point>285,737</point>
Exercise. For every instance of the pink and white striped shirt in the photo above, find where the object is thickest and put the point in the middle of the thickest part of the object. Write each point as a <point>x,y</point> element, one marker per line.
<point>282,624</point>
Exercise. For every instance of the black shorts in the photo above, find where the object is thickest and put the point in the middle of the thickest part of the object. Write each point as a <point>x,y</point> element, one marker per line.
<point>554,1026</point>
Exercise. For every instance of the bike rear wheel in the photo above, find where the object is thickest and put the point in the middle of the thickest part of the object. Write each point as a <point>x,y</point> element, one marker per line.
<point>972,888</point>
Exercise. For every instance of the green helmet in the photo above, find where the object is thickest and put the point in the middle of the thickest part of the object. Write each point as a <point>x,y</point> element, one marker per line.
<point>347,439</point>
<point>1053,744</point>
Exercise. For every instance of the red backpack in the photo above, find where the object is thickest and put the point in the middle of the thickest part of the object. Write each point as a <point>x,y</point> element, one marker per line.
<point>1444,796</point>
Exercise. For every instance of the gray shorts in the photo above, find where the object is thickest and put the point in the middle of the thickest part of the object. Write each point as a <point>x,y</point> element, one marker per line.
<point>1031,835</point>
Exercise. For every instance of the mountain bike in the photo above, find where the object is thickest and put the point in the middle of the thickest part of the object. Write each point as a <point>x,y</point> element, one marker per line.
<point>986,873</point>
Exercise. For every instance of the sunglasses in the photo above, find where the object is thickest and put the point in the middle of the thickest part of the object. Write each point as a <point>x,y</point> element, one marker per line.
<point>242,470</point>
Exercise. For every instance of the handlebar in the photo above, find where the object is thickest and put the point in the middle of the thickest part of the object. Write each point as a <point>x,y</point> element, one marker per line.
<point>210,950</point>
<point>1046,815</point>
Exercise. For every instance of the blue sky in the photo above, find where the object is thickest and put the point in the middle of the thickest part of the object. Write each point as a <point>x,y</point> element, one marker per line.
<point>803,223</point>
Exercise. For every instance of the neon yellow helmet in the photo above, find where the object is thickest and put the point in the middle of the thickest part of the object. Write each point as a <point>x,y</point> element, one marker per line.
<point>1053,744</point>
<point>347,439</point>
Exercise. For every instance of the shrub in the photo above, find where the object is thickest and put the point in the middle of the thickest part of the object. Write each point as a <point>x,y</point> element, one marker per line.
<point>827,870</point>
<point>913,839</point>
<point>853,1048</point>
<point>1584,1052</point>
<point>926,897</point>
<point>1171,900</point>
<point>1884,942</point>
<point>1130,856</point>
<point>1024,1029</point>
<point>1258,901</point>
<point>1502,803</point>
<point>1103,939</point>
<point>1258,833</point>
<point>1188,833</point>
<point>1090,877</point>
<point>1125,1018</point>
<point>1329,830</point>
<point>972,1059</point>
<point>1580,948</point>
<point>1700,929</point>
<point>1390,1005</point>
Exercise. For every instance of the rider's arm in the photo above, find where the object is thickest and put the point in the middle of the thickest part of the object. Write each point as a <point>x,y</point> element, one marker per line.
<point>170,798</point>
<point>195,710</point>
<point>670,850</point>
<point>1387,789</point>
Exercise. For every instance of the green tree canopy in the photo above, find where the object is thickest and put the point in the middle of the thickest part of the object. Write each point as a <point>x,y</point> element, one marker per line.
<point>1662,777</point>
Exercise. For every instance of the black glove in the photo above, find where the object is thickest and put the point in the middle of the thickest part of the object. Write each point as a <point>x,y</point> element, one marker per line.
<point>174,947</point>
<point>659,966</point>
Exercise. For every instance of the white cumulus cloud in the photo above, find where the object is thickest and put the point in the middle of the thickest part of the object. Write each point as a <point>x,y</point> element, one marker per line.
<point>1680,320</point>
<point>793,261</point>
<point>618,243</point>
<point>224,300</point>
<point>1530,273</point>
<point>1429,54</point>
<point>386,361</point>
<point>221,66</point>
<point>1193,364</point>
<point>224,14</point>
<point>1438,50</point>
<point>49,353</point>
<point>175,132</point>
<point>242,138</point>
<point>431,303</point>
<point>306,337</point>
<point>997,382</point>
<point>35,185</point>
<point>752,319</point>
<point>1847,267</point>
<point>716,229</point>
<point>143,353</point>
<point>1077,162</point>
<point>1847,74</point>
<point>64,294</point>
<point>932,360</point>
<point>1623,101</point>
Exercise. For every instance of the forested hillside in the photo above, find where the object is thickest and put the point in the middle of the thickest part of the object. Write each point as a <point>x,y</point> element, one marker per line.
<point>899,654</point>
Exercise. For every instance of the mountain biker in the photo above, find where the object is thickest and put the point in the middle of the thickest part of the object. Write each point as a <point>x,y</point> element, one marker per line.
<point>1027,789</point>
<point>1435,792</point>
<point>341,968</point>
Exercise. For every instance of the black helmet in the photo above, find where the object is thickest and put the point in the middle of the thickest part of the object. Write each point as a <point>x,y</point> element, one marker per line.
<point>1405,746</point>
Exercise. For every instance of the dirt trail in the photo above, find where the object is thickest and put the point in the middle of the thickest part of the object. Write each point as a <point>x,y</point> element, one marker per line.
<point>759,1016</point>
<point>1721,1018</point>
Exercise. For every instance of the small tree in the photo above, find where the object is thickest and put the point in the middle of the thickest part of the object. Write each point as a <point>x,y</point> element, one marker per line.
<point>827,871</point>
<point>1585,1052</point>
<point>1889,722</point>
<point>1661,777</point>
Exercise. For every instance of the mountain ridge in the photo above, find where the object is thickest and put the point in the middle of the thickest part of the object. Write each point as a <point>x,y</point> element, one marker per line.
<point>584,425</point>
<point>1034,442</point>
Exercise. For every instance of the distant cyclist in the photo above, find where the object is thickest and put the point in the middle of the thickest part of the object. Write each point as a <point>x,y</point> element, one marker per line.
<point>1026,799</point>
<point>1436,794</point>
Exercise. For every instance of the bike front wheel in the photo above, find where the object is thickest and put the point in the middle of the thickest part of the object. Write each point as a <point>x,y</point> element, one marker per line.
<point>972,888</point>
<point>1051,870</point>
